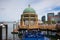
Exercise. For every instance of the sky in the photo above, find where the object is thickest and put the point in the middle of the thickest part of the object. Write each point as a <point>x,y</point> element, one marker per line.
<point>11,10</point>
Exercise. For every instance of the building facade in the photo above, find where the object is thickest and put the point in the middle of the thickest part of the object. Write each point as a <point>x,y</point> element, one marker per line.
<point>29,18</point>
<point>57,17</point>
<point>43,19</point>
<point>59,14</point>
<point>52,17</point>
<point>49,16</point>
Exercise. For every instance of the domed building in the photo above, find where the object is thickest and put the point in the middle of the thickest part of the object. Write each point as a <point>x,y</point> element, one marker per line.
<point>29,19</point>
<point>29,23</point>
<point>29,10</point>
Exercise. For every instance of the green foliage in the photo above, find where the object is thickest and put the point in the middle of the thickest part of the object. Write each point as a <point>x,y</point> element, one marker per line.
<point>53,22</point>
<point>50,22</point>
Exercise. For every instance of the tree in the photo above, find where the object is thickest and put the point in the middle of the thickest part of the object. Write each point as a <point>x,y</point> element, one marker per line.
<point>53,22</point>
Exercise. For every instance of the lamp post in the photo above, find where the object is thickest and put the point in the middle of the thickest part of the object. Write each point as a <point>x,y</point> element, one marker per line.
<point>0,32</point>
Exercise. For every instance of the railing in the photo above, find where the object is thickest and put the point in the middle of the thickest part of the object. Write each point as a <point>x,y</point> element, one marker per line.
<point>51,27</point>
<point>45,26</point>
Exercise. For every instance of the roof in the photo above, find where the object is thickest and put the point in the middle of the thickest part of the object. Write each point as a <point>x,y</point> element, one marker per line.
<point>29,10</point>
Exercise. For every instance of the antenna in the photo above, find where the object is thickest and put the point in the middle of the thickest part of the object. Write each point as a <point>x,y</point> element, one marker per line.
<point>29,5</point>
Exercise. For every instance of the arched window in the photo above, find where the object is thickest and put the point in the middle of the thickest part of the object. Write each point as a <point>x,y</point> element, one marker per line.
<point>26,22</point>
<point>31,22</point>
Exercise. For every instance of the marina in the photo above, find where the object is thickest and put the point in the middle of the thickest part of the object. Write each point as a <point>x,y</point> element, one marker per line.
<point>29,26</point>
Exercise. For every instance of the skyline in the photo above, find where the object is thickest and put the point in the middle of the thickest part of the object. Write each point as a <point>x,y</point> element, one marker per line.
<point>11,10</point>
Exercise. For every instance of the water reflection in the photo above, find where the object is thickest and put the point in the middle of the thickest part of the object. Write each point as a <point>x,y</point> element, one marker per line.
<point>39,36</point>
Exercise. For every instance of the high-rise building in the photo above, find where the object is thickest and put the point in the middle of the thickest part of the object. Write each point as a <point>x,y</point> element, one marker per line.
<point>59,14</point>
<point>43,19</point>
<point>56,18</point>
<point>52,17</point>
<point>49,16</point>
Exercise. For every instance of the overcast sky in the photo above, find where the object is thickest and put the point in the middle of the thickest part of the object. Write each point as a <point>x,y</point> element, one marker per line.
<point>11,10</point>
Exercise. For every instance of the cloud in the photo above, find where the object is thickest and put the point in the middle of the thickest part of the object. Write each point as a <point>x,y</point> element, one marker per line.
<point>56,8</point>
<point>14,8</point>
<point>46,6</point>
